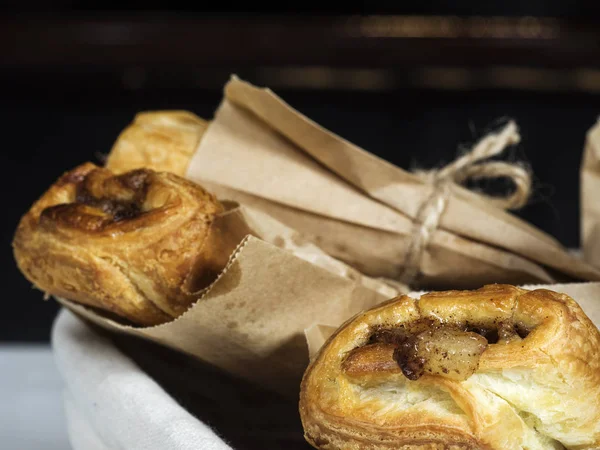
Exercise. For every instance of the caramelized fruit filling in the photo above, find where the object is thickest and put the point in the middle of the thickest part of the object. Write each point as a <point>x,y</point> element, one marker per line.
<point>120,197</point>
<point>430,347</point>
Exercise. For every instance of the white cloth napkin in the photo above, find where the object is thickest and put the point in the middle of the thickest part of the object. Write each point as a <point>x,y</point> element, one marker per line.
<point>112,404</point>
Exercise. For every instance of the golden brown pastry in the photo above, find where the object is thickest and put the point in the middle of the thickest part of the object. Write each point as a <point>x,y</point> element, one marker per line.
<point>161,140</point>
<point>497,368</point>
<point>139,245</point>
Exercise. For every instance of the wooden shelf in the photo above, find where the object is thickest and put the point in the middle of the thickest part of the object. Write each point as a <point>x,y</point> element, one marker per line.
<point>301,52</point>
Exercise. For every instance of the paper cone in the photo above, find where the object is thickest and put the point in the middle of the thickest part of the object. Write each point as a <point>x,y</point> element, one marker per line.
<point>359,208</point>
<point>250,322</point>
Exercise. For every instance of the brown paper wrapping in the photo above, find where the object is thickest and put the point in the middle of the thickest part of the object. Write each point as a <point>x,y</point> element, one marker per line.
<point>585,294</point>
<point>250,321</point>
<point>359,208</point>
<point>590,201</point>
<point>317,212</point>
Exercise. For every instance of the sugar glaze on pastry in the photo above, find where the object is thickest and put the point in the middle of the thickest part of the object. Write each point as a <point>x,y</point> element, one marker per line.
<point>496,368</point>
<point>138,244</point>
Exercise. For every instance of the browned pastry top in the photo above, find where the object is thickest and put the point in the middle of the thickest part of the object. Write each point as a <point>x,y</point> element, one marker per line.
<point>136,244</point>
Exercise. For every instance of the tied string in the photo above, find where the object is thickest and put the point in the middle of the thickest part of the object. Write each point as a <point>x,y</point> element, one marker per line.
<point>473,165</point>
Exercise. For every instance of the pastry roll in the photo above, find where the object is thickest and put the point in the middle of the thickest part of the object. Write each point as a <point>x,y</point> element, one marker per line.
<point>496,368</point>
<point>158,140</point>
<point>139,245</point>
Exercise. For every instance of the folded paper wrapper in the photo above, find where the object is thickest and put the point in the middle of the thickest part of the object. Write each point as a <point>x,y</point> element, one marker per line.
<point>113,400</point>
<point>361,209</point>
<point>590,201</point>
<point>250,322</point>
<point>324,213</point>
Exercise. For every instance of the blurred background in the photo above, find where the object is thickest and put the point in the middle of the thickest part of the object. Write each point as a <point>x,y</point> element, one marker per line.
<point>409,83</point>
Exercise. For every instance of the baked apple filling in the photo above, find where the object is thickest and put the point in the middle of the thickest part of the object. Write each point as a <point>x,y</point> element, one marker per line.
<point>431,347</point>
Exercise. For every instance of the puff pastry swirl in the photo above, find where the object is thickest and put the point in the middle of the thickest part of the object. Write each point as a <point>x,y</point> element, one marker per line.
<point>138,245</point>
<point>497,368</point>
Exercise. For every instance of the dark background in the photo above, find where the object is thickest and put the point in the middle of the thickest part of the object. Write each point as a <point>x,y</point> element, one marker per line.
<point>409,84</point>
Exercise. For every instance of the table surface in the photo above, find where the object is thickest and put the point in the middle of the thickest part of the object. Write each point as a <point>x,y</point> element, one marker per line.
<point>31,411</point>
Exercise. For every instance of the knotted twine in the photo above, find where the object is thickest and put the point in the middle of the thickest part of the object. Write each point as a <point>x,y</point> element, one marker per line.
<point>473,165</point>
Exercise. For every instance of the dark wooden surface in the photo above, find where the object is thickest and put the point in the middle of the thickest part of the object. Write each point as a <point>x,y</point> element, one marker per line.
<point>149,51</point>
<point>377,41</point>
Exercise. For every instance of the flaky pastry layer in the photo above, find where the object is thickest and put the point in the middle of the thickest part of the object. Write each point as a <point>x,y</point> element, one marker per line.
<point>384,380</point>
<point>157,140</point>
<point>139,244</point>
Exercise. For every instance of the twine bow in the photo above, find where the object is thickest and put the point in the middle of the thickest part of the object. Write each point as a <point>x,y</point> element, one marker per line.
<point>473,165</point>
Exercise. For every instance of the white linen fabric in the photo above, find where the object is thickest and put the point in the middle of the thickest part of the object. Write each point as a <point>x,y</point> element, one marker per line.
<point>110,403</point>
